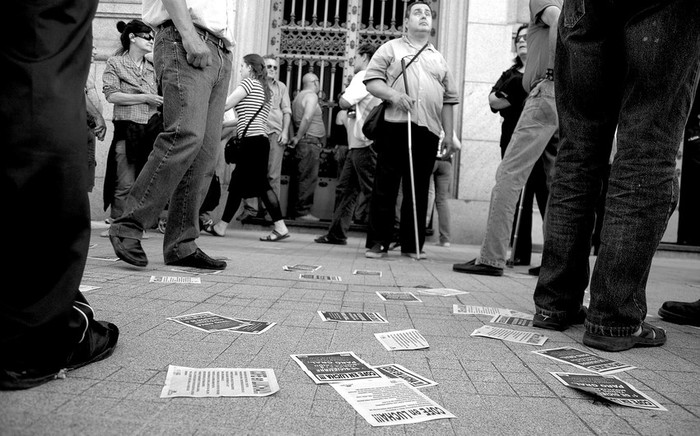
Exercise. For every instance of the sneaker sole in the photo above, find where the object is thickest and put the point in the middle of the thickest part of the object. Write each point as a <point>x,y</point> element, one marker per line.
<point>611,343</point>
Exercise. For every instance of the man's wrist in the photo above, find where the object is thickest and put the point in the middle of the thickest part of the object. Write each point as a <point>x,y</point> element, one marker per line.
<point>549,74</point>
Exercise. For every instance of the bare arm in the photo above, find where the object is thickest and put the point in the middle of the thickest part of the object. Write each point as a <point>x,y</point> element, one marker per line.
<point>198,53</point>
<point>447,118</point>
<point>550,17</point>
<point>286,121</point>
<point>124,99</point>
<point>310,103</point>
<point>497,103</point>
<point>236,96</point>
<point>380,89</point>
<point>100,125</point>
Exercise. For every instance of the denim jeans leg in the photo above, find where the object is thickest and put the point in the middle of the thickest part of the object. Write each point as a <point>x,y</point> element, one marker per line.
<point>126,175</point>
<point>442,178</point>
<point>308,152</point>
<point>536,126</point>
<point>346,196</point>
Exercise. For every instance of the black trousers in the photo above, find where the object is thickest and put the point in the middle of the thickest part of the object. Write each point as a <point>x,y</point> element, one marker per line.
<point>45,58</point>
<point>392,170</point>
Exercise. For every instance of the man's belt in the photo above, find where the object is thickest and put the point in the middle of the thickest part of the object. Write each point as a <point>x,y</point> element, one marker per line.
<point>204,33</point>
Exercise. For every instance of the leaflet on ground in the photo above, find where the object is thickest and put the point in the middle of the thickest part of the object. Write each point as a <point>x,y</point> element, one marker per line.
<point>512,320</point>
<point>462,309</point>
<point>394,370</point>
<point>334,367</point>
<point>320,278</point>
<point>386,402</point>
<point>610,388</point>
<point>509,335</point>
<point>365,272</point>
<point>368,317</point>
<point>398,296</point>
<point>195,271</point>
<point>219,382</point>
<point>400,340</point>
<point>301,267</point>
<point>207,321</point>
<point>183,280</point>
<point>442,292</point>
<point>584,360</point>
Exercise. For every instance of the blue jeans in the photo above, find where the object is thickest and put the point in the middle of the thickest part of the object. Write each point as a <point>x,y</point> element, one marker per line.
<point>184,154</point>
<point>308,152</point>
<point>439,191</point>
<point>356,177</point>
<point>537,125</point>
<point>126,174</point>
<point>635,68</point>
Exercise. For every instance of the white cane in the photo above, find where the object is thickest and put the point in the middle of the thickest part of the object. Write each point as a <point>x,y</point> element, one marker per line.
<point>410,166</point>
<point>517,227</point>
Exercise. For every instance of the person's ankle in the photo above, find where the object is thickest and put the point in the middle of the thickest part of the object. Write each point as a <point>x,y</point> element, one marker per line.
<point>280,227</point>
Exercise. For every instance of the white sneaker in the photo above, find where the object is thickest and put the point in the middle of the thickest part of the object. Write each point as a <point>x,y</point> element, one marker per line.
<point>309,217</point>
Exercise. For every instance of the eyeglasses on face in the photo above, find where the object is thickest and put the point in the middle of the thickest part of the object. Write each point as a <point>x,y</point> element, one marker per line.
<point>521,38</point>
<point>272,67</point>
<point>144,36</point>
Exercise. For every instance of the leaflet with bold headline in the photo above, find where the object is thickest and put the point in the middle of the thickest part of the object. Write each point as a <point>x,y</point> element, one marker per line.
<point>334,367</point>
<point>219,382</point>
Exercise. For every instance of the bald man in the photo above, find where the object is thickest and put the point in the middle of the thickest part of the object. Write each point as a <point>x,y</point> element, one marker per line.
<point>308,141</point>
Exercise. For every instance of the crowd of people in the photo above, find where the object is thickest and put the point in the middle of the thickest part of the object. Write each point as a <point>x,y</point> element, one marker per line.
<point>580,83</point>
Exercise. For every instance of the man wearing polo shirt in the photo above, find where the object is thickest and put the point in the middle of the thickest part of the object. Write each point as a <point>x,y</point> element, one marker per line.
<point>430,98</point>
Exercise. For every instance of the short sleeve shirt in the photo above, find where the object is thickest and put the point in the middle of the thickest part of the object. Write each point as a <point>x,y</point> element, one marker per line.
<point>538,59</point>
<point>246,109</point>
<point>357,95</point>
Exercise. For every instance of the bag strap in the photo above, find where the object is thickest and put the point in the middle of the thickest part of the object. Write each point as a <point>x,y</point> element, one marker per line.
<point>410,62</point>
<point>251,120</point>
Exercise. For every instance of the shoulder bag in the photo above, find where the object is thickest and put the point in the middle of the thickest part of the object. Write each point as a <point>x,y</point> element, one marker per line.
<point>232,150</point>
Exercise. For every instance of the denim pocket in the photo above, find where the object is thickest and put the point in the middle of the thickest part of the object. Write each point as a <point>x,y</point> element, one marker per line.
<point>573,11</point>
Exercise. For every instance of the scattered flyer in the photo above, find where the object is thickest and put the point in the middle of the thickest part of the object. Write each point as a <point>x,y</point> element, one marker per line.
<point>182,280</point>
<point>509,335</point>
<point>370,317</point>
<point>105,258</point>
<point>390,402</point>
<point>400,340</point>
<point>611,388</point>
<point>442,292</point>
<point>300,267</point>
<point>195,271</point>
<point>584,360</point>
<point>87,288</point>
<point>320,278</point>
<point>207,321</point>
<point>398,296</point>
<point>364,272</point>
<point>219,382</point>
<point>479,310</point>
<point>251,327</point>
<point>394,370</point>
<point>334,367</point>
<point>511,320</point>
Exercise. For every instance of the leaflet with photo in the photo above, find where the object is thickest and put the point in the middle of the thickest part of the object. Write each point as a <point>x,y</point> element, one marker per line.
<point>301,267</point>
<point>87,288</point>
<point>219,382</point>
<point>462,309</point>
<point>390,402</point>
<point>180,280</point>
<point>370,317</point>
<point>511,320</point>
<point>399,340</point>
<point>442,292</point>
<point>320,278</point>
<point>398,296</point>
<point>208,322</point>
<point>610,388</point>
<point>584,360</point>
<point>251,327</point>
<point>394,370</point>
<point>335,367</point>
<point>509,335</point>
<point>364,272</point>
<point>195,271</point>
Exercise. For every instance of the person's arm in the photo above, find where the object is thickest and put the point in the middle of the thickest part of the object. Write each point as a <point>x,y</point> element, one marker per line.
<point>550,17</point>
<point>124,99</point>
<point>198,53</point>
<point>498,103</point>
<point>286,121</point>
<point>447,118</point>
<point>286,107</point>
<point>399,100</point>
<point>310,103</point>
<point>100,125</point>
<point>235,97</point>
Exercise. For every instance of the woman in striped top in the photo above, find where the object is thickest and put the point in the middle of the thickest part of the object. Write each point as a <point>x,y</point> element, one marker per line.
<point>251,102</point>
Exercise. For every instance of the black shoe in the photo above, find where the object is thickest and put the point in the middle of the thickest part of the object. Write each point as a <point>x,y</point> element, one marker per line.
<point>649,337</point>
<point>422,255</point>
<point>681,313</point>
<point>98,343</point>
<point>534,271</point>
<point>472,267</point>
<point>518,262</point>
<point>376,252</point>
<point>200,260</point>
<point>129,250</point>
<point>547,322</point>
<point>327,239</point>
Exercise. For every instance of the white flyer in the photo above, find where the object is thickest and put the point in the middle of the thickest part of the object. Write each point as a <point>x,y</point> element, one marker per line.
<point>511,320</point>
<point>407,297</point>
<point>87,288</point>
<point>442,292</point>
<point>195,271</point>
<point>335,367</point>
<point>320,278</point>
<point>301,267</point>
<point>462,309</point>
<point>390,402</point>
<point>105,258</point>
<point>208,322</point>
<point>369,317</point>
<point>182,280</point>
<point>509,335</point>
<point>584,360</point>
<point>394,370</point>
<point>366,272</point>
<point>409,339</point>
<point>219,382</point>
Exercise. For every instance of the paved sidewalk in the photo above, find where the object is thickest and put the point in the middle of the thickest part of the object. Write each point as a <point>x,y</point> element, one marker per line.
<point>492,387</point>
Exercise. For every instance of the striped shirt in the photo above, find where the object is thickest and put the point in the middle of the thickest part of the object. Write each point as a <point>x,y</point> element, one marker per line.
<point>246,108</point>
<point>123,75</point>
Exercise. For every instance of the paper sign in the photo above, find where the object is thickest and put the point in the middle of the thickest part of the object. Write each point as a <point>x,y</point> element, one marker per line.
<point>584,360</point>
<point>207,321</point>
<point>370,317</point>
<point>479,310</point>
<point>397,371</point>
<point>182,280</point>
<point>251,327</point>
<point>509,335</point>
<point>105,258</point>
<point>320,278</point>
<point>87,288</point>
<point>219,382</point>
<point>398,296</point>
<point>390,402</point>
<point>409,339</point>
<point>195,271</point>
<point>363,272</point>
<point>442,292</point>
<point>300,267</point>
<point>334,367</point>
<point>511,320</point>
<point>611,388</point>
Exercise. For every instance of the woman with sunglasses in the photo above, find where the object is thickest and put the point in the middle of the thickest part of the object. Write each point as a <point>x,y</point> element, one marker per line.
<point>129,83</point>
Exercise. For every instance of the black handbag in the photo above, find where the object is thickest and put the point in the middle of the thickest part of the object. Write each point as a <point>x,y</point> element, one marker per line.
<point>234,146</point>
<point>374,122</point>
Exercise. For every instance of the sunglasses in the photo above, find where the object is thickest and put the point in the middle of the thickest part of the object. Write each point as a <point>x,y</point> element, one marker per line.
<point>521,38</point>
<point>144,36</point>
<point>274,67</point>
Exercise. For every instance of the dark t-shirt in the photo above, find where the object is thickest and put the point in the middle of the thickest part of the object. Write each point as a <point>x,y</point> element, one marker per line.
<point>510,83</point>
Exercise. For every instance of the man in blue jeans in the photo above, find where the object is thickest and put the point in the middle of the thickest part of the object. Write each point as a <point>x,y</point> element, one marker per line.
<point>537,125</point>
<point>193,62</point>
<point>632,66</point>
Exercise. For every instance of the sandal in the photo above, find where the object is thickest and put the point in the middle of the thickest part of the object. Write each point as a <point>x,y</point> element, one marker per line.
<point>275,236</point>
<point>650,337</point>
<point>210,229</point>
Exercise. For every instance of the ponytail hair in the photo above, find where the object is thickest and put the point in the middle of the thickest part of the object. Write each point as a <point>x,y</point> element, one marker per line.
<point>258,72</point>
